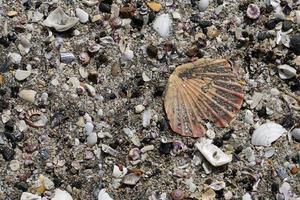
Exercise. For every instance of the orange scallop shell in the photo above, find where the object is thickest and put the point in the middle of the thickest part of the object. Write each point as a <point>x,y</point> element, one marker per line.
<point>205,89</point>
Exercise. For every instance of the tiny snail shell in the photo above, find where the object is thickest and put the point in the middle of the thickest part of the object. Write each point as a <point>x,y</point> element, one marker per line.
<point>253,11</point>
<point>84,58</point>
<point>177,194</point>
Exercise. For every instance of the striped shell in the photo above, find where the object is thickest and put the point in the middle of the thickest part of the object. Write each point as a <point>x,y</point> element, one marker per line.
<point>205,89</point>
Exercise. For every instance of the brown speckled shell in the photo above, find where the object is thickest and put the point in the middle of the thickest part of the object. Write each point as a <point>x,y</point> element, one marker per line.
<point>205,89</point>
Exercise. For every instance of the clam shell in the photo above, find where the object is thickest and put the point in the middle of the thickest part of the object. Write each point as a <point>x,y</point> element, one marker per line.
<point>286,71</point>
<point>103,195</point>
<point>267,133</point>
<point>202,90</point>
<point>58,20</point>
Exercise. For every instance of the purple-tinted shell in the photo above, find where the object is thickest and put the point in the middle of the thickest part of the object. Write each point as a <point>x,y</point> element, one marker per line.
<point>253,11</point>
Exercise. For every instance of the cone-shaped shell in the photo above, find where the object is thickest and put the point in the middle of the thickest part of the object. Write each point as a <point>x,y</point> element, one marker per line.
<point>202,90</point>
<point>58,20</point>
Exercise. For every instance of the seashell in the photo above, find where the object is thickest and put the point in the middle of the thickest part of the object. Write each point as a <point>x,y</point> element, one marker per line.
<point>143,10</point>
<point>66,57</point>
<point>253,11</point>
<point>103,195</point>
<point>127,54</point>
<point>267,133</point>
<point>205,89</point>
<point>286,72</point>
<point>107,149</point>
<point>131,179</point>
<point>14,58</point>
<point>94,48</point>
<point>119,171</point>
<point>29,196</point>
<point>91,90</point>
<point>91,140</point>
<point>90,2</point>
<point>28,95</point>
<point>84,58</point>
<point>177,194</point>
<point>134,154</point>
<point>212,153</point>
<point>58,20</point>
<point>296,133</point>
<point>61,195</point>
<point>82,15</point>
<point>39,121</point>
<point>21,75</point>
<point>162,25</point>
<point>202,5</point>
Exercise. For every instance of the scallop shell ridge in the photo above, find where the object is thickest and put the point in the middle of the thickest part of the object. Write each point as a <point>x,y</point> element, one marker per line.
<point>205,89</point>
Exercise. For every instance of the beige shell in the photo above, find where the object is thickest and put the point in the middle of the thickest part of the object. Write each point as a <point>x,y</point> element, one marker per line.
<point>58,20</point>
<point>205,89</point>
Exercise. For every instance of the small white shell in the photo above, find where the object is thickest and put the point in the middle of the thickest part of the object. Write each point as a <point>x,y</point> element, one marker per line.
<point>162,25</point>
<point>58,20</point>
<point>103,195</point>
<point>131,179</point>
<point>29,196</point>
<point>109,150</point>
<point>267,133</point>
<point>212,153</point>
<point>21,75</point>
<point>286,72</point>
<point>82,15</point>
<point>118,173</point>
<point>28,95</point>
<point>61,194</point>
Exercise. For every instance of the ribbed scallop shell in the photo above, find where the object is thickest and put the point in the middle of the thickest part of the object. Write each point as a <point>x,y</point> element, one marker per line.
<point>205,89</point>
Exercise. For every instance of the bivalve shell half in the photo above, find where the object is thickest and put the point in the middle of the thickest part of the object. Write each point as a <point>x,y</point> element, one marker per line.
<point>286,71</point>
<point>103,195</point>
<point>202,90</point>
<point>267,133</point>
<point>58,20</point>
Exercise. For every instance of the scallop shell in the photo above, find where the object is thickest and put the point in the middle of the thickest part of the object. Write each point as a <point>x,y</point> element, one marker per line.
<point>41,120</point>
<point>58,20</point>
<point>205,89</point>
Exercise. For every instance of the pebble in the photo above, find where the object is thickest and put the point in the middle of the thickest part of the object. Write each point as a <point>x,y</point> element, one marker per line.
<point>147,148</point>
<point>11,13</point>
<point>146,118</point>
<point>92,139</point>
<point>139,108</point>
<point>82,15</point>
<point>14,58</point>
<point>250,155</point>
<point>295,44</point>
<point>66,57</point>
<point>7,153</point>
<point>21,75</point>
<point>61,195</point>
<point>88,128</point>
<point>287,25</point>
<point>249,117</point>
<point>155,6</point>
<point>28,95</point>
<point>202,5</point>
<point>30,196</point>
<point>296,133</point>
<point>162,25</point>
<point>127,55</point>
<point>49,184</point>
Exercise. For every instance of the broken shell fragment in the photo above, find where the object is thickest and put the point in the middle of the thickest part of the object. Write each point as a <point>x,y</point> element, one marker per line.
<point>177,194</point>
<point>212,153</point>
<point>286,72</point>
<point>58,20</point>
<point>35,118</point>
<point>131,179</point>
<point>134,154</point>
<point>119,171</point>
<point>84,58</point>
<point>103,195</point>
<point>61,194</point>
<point>162,25</point>
<point>27,95</point>
<point>205,89</point>
<point>267,133</point>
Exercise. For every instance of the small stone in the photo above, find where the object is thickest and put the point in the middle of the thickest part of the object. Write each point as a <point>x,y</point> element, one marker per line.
<point>212,32</point>
<point>248,117</point>
<point>155,6</point>
<point>127,55</point>
<point>104,7</point>
<point>14,165</point>
<point>88,128</point>
<point>295,44</point>
<point>294,170</point>
<point>127,12</point>
<point>139,108</point>
<point>96,18</point>
<point>146,118</point>
<point>28,95</point>
<point>92,139</point>
<point>296,133</point>
<point>152,51</point>
<point>82,15</point>
<point>202,5</point>
<point>1,79</point>
<point>61,195</point>
<point>115,69</point>
<point>49,185</point>
<point>21,75</point>
<point>14,58</point>
<point>287,25</point>
<point>271,24</point>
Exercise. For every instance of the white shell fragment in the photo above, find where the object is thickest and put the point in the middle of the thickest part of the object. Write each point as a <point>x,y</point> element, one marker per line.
<point>82,15</point>
<point>267,133</point>
<point>131,179</point>
<point>61,195</point>
<point>92,139</point>
<point>29,196</point>
<point>27,95</point>
<point>298,17</point>
<point>103,195</point>
<point>119,173</point>
<point>146,118</point>
<point>58,20</point>
<point>162,25</point>
<point>286,71</point>
<point>212,153</point>
<point>21,75</point>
